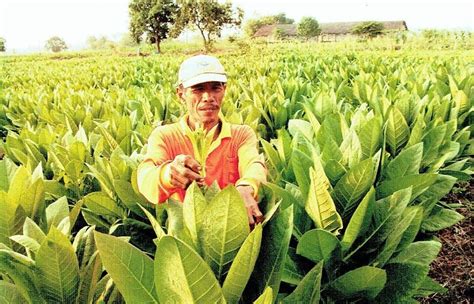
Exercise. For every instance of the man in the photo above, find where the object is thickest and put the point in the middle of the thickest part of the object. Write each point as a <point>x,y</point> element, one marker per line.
<point>169,166</point>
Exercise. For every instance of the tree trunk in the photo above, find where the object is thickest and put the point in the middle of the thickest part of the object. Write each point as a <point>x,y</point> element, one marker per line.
<point>203,38</point>
<point>157,43</point>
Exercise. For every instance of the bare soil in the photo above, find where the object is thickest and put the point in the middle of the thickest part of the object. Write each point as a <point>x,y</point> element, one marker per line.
<point>453,267</point>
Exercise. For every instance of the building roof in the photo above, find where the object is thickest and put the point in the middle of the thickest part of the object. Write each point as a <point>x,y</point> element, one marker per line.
<point>337,28</point>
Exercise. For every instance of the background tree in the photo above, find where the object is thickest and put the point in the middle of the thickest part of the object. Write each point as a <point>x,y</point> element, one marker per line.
<point>55,44</point>
<point>252,25</point>
<point>369,29</point>
<point>308,28</point>
<point>101,43</point>
<point>2,44</point>
<point>153,18</point>
<point>208,16</point>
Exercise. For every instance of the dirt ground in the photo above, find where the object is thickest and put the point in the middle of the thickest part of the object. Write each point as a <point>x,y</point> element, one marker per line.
<point>453,267</point>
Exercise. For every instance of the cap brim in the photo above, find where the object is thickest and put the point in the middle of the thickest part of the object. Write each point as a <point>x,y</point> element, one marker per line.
<point>207,77</point>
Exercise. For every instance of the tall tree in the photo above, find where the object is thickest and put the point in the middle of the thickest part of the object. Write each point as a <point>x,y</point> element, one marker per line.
<point>55,44</point>
<point>207,16</point>
<point>308,28</point>
<point>2,44</point>
<point>153,18</point>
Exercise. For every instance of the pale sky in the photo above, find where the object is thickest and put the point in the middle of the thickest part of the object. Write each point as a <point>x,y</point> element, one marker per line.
<point>26,25</point>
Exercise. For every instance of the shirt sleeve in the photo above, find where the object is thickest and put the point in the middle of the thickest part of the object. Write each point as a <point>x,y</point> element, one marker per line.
<point>252,169</point>
<point>153,174</point>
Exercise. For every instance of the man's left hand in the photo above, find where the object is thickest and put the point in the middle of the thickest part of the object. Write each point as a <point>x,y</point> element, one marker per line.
<point>253,212</point>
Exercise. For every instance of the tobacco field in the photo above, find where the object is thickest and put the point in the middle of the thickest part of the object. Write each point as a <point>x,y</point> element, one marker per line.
<point>360,146</point>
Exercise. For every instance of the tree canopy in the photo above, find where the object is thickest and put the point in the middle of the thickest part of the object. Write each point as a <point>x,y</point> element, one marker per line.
<point>308,28</point>
<point>209,17</point>
<point>368,29</point>
<point>153,18</point>
<point>252,25</point>
<point>55,44</point>
<point>2,44</point>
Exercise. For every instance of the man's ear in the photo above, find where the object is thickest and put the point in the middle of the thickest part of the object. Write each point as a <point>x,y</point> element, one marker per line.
<point>180,92</point>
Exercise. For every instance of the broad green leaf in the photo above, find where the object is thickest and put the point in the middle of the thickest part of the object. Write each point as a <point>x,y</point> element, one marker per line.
<point>194,213</point>
<point>432,142</point>
<point>370,136</point>
<point>403,279</point>
<point>266,297</point>
<point>353,186</point>
<point>417,131</point>
<point>308,290</point>
<point>32,230</point>
<point>176,225</point>
<point>131,269</point>
<point>386,215</point>
<point>18,187</point>
<point>224,229</point>
<point>406,163</point>
<point>293,270</point>
<point>7,170</point>
<point>351,149</point>
<point>320,206</point>
<point>21,275</point>
<point>128,196</point>
<point>317,245</point>
<point>90,276</point>
<point>270,262</point>
<point>395,237</point>
<point>154,223</point>
<point>301,163</point>
<point>299,126</point>
<point>10,294</point>
<point>58,268</point>
<point>11,220</point>
<point>428,287</point>
<point>418,182</point>
<point>360,220</point>
<point>441,218</point>
<point>242,266</point>
<point>56,212</point>
<point>365,281</point>
<point>398,131</point>
<point>441,187</point>
<point>27,242</point>
<point>421,252</point>
<point>182,276</point>
<point>334,170</point>
<point>101,204</point>
<point>413,229</point>
<point>286,197</point>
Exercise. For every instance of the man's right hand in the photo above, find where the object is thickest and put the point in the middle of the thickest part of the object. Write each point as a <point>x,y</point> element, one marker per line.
<point>184,170</point>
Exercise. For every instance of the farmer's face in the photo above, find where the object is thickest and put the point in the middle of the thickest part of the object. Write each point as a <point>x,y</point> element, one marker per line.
<point>203,102</point>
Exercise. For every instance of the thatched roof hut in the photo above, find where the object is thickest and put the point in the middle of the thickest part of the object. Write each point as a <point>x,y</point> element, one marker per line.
<point>333,28</point>
<point>343,28</point>
<point>268,30</point>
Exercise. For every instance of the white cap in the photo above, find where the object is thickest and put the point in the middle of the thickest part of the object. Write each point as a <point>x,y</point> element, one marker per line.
<point>199,69</point>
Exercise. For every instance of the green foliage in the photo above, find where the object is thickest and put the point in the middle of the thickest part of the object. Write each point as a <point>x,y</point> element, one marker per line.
<point>308,27</point>
<point>209,17</point>
<point>252,25</point>
<point>377,140</point>
<point>3,43</point>
<point>153,18</point>
<point>55,44</point>
<point>368,29</point>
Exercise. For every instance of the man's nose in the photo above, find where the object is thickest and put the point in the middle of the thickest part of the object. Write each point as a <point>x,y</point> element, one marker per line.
<point>207,96</point>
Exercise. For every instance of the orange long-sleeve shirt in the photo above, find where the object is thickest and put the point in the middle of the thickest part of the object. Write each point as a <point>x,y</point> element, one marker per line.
<point>233,159</point>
